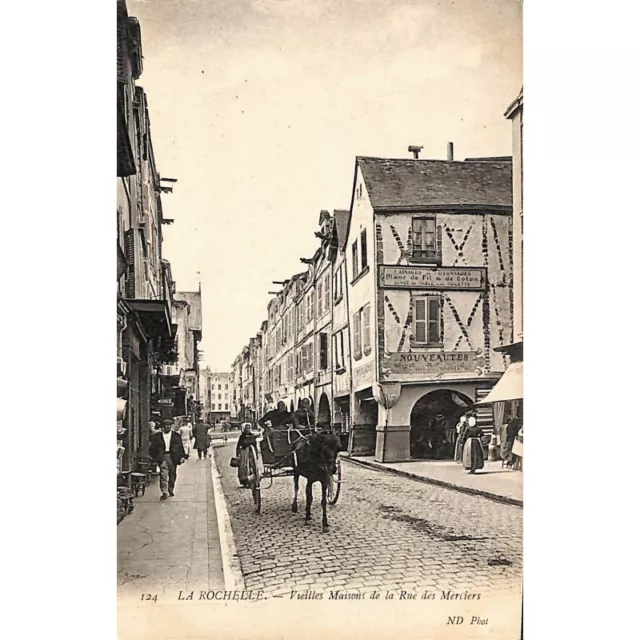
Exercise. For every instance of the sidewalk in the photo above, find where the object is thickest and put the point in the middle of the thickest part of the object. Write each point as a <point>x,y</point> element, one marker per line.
<point>173,544</point>
<point>492,482</point>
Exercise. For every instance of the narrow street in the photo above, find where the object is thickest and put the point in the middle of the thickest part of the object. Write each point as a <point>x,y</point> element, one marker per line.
<point>386,532</point>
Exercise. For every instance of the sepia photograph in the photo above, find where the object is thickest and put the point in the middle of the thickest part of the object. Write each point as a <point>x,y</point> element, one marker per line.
<point>319,319</point>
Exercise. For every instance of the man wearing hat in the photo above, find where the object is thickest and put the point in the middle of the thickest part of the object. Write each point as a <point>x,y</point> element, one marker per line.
<point>166,449</point>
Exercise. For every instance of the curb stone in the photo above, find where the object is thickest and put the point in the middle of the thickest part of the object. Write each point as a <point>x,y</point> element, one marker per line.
<point>231,569</point>
<point>378,466</point>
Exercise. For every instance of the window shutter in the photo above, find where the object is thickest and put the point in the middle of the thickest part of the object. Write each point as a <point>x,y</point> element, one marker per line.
<point>357,346</point>
<point>434,321</point>
<point>122,51</point>
<point>363,248</point>
<point>366,329</point>
<point>323,352</point>
<point>419,320</point>
<point>320,298</point>
<point>130,252</point>
<point>439,244</point>
<point>354,257</point>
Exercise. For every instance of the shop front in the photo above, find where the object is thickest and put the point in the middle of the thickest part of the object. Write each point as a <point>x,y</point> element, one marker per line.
<point>506,401</point>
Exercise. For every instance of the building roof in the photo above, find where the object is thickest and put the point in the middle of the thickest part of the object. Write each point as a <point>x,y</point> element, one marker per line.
<point>341,217</point>
<point>515,106</point>
<point>409,183</point>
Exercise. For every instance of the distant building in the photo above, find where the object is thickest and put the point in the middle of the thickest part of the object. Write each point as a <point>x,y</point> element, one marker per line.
<point>218,401</point>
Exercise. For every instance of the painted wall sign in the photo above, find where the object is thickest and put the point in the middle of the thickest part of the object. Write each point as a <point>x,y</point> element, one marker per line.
<point>363,376</point>
<point>428,364</point>
<point>447,278</point>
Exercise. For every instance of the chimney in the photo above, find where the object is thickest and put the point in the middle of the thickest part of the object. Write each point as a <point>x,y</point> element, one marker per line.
<point>415,150</point>
<point>450,151</point>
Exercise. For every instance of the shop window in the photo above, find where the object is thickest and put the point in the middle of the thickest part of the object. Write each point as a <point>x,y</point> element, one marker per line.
<point>424,238</point>
<point>426,320</point>
<point>366,329</point>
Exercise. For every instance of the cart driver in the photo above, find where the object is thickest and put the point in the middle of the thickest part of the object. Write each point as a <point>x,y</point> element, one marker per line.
<point>279,419</point>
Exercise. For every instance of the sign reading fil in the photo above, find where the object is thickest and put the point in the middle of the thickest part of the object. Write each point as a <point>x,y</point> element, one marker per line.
<point>452,278</point>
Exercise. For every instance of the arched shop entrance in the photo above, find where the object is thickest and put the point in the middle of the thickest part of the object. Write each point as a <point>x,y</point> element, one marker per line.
<point>433,422</point>
<point>324,411</point>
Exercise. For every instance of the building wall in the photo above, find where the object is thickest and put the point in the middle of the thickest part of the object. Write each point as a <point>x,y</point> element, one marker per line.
<point>472,323</point>
<point>362,287</point>
<point>518,213</point>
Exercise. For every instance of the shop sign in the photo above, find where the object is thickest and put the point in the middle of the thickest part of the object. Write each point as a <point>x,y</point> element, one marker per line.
<point>441,278</point>
<point>428,364</point>
<point>166,401</point>
<point>341,382</point>
<point>363,376</point>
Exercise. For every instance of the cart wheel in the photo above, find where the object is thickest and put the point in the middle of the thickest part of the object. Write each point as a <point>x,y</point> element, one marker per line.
<point>334,484</point>
<point>254,479</point>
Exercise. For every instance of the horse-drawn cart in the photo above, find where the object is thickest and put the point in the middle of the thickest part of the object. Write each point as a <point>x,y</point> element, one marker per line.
<point>290,453</point>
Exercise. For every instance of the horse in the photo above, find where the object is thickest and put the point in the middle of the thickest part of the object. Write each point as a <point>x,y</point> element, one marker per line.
<point>315,459</point>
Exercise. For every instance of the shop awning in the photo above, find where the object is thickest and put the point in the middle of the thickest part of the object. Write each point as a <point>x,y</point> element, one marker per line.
<point>154,316</point>
<point>509,387</point>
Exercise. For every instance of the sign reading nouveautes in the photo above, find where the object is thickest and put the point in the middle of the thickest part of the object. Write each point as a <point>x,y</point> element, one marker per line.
<point>451,278</point>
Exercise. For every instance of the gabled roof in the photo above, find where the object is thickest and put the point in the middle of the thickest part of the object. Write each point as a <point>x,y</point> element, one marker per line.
<point>409,183</point>
<point>513,108</point>
<point>341,217</point>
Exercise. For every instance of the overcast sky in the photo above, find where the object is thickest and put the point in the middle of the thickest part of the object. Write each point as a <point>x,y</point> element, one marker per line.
<point>259,107</point>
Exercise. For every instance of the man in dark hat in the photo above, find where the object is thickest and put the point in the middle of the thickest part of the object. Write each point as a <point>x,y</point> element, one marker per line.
<point>166,449</point>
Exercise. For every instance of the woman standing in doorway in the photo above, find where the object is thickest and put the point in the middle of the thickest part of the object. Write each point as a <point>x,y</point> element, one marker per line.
<point>472,455</point>
<point>461,430</point>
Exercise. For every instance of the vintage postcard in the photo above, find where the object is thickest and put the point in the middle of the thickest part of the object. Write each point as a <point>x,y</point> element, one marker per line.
<point>320,334</point>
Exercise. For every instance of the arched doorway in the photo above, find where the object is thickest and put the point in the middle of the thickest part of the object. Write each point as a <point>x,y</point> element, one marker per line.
<point>433,421</point>
<point>324,411</point>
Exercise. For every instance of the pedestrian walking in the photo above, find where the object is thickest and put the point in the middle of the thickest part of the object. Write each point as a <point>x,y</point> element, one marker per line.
<point>246,439</point>
<point>514,426</point>
<point>186,433</point>
<point>472,454</point>
<point>167,450</point>
<point>201,440</point>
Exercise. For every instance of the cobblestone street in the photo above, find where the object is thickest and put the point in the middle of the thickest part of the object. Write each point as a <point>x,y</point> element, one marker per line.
<point>387,532</point>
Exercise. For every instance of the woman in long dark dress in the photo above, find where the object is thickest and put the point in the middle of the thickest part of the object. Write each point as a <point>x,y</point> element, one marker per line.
<point>245,440</point>
<point>472,454</point>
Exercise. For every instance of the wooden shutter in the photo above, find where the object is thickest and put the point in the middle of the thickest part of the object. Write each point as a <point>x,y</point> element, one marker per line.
<point>439,244</point>
<point>122,50</point>
<point>363,249</point>
<point>366,329</point>
<point>130,252</point>
<point>357,342</point>
<point>323,352</point>
<point>433,328</point>
<point>420,320</point>
<point>354,257</point>
<point>320,298</point>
